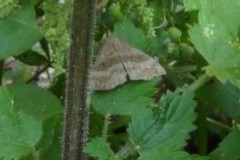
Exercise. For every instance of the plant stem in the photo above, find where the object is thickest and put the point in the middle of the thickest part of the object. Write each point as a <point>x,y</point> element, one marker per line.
<point>202,131</point>
<point>221,125</point>
<point>1,71</point>
<point>200,82</point>
<point>77,95</point>
<point>105,125</point>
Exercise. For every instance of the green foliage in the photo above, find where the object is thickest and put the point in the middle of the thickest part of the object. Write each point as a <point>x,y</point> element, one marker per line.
<point>115,101</point>
<point>31,57</point>
<point>23,120</point>
<point>184,115</point>
<point>168,127</point>
<point>219,97</point>
<point>228,148</point>
<point>100,149</point>
<point>216,37</point>
<point>19,133</point>
<point>168,153</point>
<point>141,13</point>
<point>55,26</point>
<point>14,28</point>
<point>7,7</point>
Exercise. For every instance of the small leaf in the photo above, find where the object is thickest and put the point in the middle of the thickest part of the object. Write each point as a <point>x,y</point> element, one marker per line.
<point>18,32</point>
<point>169,126</point>
<point>99,148</point>
<point>229,148</point>
<point>126,99</point>
<point>33,58</point>
<point>19,133</point>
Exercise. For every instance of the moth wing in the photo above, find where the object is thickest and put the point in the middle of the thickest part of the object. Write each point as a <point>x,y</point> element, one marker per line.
<point>107,71</point>
<point>139,65</point>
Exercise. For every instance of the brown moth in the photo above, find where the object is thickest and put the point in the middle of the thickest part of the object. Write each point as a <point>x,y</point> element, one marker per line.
<point>117,62</point>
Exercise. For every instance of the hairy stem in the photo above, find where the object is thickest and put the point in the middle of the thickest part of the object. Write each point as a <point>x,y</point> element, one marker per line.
<point>1,71</point>
<point>77,95</point>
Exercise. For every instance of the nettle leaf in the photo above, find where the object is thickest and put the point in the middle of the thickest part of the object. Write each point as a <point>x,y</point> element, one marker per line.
<point>223,98</point>
<point>168,126</point>
<point>19,31</point>
<point>216,38</point>
<point>19,133</point>
<point>128,99</point>
<point>36,108</point>
<point>100,149</point>
<point>167,153</point>
<point>229,148</point>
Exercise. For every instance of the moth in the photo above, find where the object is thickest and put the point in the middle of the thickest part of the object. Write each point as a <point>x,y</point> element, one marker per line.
<point>118,62</point>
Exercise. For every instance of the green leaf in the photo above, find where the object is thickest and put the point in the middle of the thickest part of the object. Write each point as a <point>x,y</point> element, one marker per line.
<point>168,126</point>
<point>18,32</point>
<point>43,106</point>
<point>49,127</point>
<point>167,153</point>
<point>99,148</point>
<point>192,5</point>
<point>33,58</point>
<point>216,38</point>
<point>137,39</point>
<point>227,74</point>
<point>35,101</point>
<point>126,99</point>
<point>223,98</point>
<point>19,133</point>
<point>229,148</point>
<point>52,140</point>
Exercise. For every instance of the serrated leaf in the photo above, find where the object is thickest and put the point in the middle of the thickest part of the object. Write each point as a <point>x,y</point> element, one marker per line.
<point>216,38</point>
<point>18,32</point>
<point>39,103</point>
<point>126,99</point>
<point>223,98</point>
<point>169,126</point>
<point>167,153</point>
<point>18,133</point>
<point>99,148</point>
<point>227,74</point>
<point>229,148</point>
